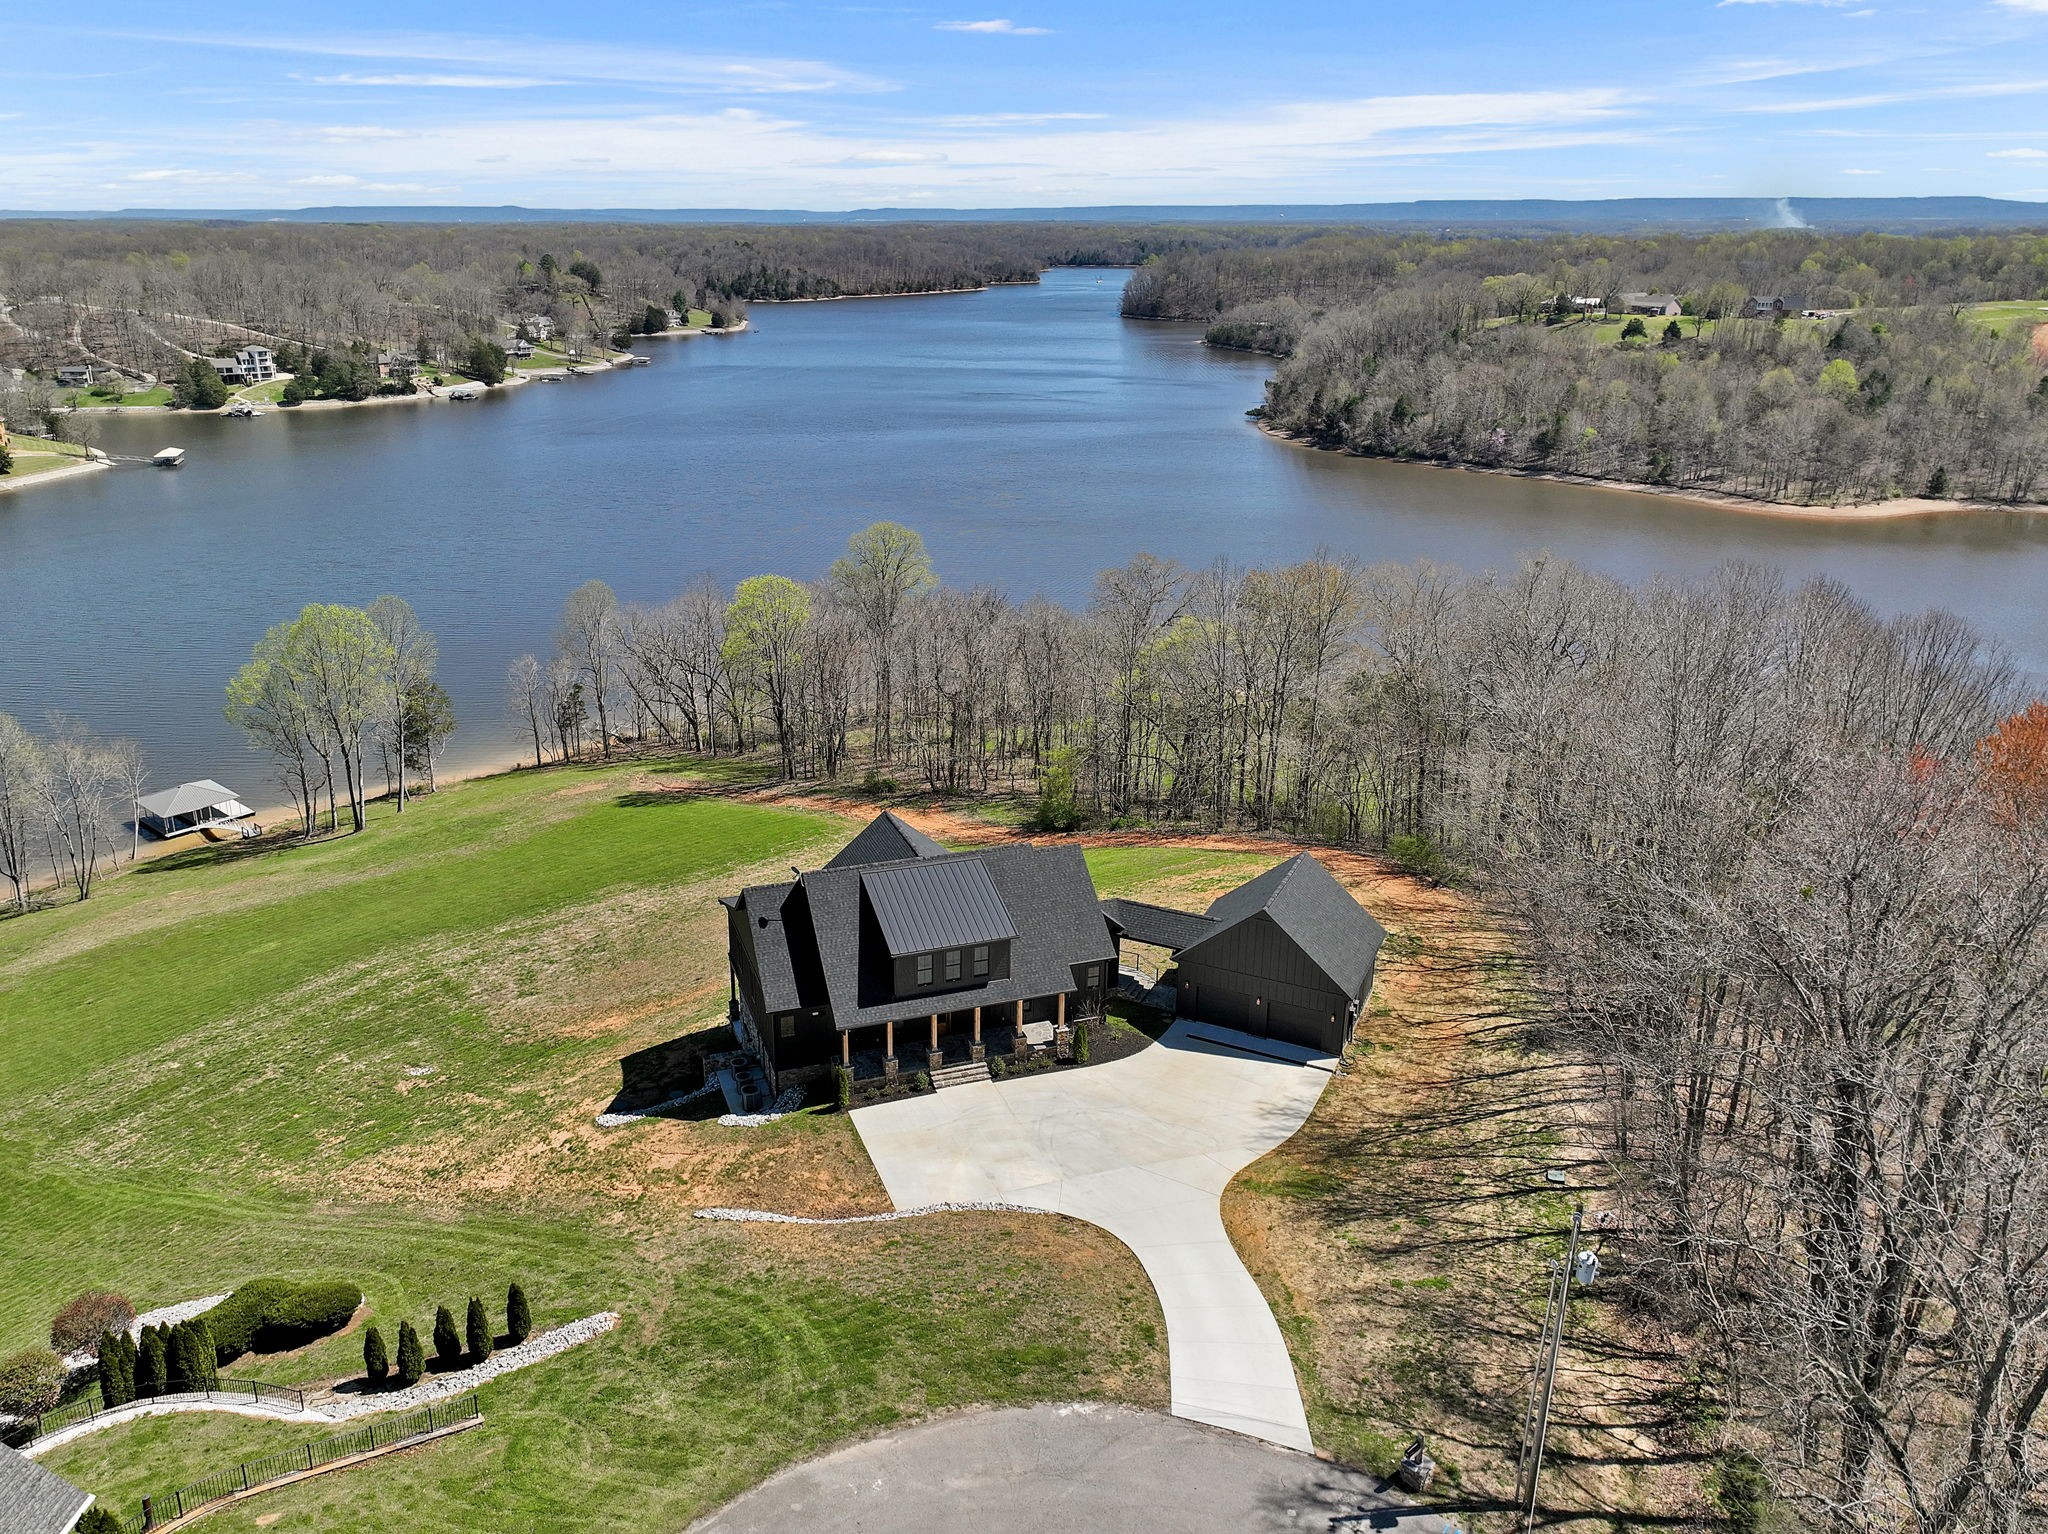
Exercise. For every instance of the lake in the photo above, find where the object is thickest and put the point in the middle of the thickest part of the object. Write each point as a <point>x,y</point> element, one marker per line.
<point>1030,434</point>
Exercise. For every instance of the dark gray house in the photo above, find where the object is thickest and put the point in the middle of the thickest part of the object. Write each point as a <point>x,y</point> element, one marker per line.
<point>34,1500</point>
<point>1287,956</point>
<point>899,954</point>
<point>901,951</point>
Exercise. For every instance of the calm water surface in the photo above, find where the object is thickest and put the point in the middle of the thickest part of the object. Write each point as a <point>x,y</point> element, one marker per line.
<point>1028,433</point>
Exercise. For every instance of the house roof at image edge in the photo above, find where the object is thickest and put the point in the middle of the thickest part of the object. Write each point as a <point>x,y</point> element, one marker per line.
<point>1305,901</point>
<point>34,1500</point>
<point>807,933</point>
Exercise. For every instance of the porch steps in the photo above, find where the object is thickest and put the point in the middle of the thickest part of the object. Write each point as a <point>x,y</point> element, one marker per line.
<point>959,1075</point>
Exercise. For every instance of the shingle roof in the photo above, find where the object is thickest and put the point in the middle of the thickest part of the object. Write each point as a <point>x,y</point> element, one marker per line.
<point>936,903</point>
<point>34,1500</point>
<point>1046,892</point>
<point>1306,902</point>
<point>1143,922</point>
<point>785,953</point>
<point>888,838</point>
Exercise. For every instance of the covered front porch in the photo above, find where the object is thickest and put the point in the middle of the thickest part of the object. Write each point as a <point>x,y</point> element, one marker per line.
<point>941,1040</point>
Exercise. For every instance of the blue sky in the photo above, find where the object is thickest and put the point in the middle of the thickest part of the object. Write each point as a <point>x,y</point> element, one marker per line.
<point>764,104</point>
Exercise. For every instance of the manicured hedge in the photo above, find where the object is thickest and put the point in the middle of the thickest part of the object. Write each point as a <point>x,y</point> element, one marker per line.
<point>268,1315</point>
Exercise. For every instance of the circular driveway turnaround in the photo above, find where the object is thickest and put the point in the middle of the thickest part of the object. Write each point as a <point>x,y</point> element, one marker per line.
<point>1054,1469</point>
<point>1143,1147</point>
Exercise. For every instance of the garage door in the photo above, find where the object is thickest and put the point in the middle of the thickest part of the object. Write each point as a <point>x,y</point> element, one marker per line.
<point>1224,1007</point>
<point>1300,1025</point>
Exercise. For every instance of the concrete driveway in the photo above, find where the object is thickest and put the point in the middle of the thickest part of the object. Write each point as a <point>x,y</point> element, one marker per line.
<point>1067,1470</point>
<point>1142,1147</point>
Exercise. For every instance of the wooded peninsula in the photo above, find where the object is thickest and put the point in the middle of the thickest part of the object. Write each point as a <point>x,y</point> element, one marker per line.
<point>1785,366</point>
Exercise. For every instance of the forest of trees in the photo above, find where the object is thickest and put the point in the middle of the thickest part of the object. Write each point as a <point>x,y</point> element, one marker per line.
<point>141,296</point>
<point>1474,352</point>
<point>1778,868</point>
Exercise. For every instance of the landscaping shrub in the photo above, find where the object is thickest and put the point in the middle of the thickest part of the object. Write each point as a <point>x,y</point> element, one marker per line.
<point>923,1082</point>
<point>31,1382</point>
<point>98,1520</point>
<point>1742,1487</point>
<point>92,1314</point>
<point>412,1358</point>
<point>842,1087</point>
<point>376,1362</point>
<point>151,1367</point>
<point>1081,1041</point>
<point>191,1360</point>
<point>518,1319</point>
<point>117,1368</point>
<point>269,1315</point>
<point>476,1331</point>
<point>447,1341</point>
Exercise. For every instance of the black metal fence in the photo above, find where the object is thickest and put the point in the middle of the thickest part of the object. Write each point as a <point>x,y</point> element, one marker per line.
<point>88,1407</point>
<point>165,1506</point>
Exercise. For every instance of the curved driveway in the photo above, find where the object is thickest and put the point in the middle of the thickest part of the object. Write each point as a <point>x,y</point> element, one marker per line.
<point>1142,1147</point>
<point>1067,1470</point>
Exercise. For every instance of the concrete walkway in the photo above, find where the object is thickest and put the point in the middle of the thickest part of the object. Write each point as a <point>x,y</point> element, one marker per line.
<point>1142,1147</point>
<point>1067,1470</point>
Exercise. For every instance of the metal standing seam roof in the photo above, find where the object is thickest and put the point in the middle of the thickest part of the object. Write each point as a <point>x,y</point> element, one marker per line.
<point>185,798</point>
<point>1306,902</point>
<point>34,1500</point>
<point>924,906</point>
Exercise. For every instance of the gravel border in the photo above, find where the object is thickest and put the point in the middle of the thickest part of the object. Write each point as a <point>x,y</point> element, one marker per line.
<point>667,1104</point>
<point>769,1217</point>
<point>163,1315</point>
<point>441,1386</point>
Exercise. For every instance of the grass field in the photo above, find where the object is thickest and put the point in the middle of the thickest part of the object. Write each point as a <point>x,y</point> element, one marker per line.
<point>2023,314</point>
<point>206,1074</point>
<point>87,398</point>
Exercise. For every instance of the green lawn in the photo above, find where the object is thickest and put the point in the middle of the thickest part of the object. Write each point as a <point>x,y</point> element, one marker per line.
<point>39,462</point>
<point>204,1077</point>
<point>2012,315</point>
<point>267,393</point>
<point>160,395</point>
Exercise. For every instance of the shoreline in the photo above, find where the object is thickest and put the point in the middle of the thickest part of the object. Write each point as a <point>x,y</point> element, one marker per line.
<point>10,484</point>
<point>840,298</point>
<point>1898,508</point>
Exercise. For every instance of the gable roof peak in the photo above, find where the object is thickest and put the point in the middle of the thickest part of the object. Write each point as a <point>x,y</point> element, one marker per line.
<point>888,838</point>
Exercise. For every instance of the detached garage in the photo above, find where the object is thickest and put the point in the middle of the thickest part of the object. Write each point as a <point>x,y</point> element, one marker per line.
<point>1288,956</point>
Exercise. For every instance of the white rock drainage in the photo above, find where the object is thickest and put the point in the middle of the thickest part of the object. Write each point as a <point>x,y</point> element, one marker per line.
<point>1142,1147</point>
<point>439,1387</point>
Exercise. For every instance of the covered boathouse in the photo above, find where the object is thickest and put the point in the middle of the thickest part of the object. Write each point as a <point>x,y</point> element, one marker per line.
<point>189,807</point>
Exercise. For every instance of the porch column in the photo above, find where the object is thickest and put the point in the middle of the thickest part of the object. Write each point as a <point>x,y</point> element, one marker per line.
<point>975,1051</point>
<point>846,1049</point>
<point>889,1049</point>
<point>933,1060</point>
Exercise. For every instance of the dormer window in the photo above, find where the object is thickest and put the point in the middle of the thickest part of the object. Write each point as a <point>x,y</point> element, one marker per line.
<point>924,969</point>
<point>981,961</point>
<point>952,965</point>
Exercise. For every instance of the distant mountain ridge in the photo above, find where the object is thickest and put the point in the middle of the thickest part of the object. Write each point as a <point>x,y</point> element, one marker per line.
<point>1549,215</point>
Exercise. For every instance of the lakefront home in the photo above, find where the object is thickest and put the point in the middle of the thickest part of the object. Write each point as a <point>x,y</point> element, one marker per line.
<point>901,955</point>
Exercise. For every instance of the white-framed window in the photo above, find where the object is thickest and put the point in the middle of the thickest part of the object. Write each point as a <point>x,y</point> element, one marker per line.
<point>952,964</point>
<point>980,961</point>
<point>924,969</point>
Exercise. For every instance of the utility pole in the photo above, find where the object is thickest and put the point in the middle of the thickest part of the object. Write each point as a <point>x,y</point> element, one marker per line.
<point>1543,1385</point>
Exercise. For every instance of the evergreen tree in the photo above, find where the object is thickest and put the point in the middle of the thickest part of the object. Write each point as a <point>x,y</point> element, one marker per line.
<point>151,1366</point>
<point>1937,487</point>
<point>412,1358</point>
<point>1672,334</point>
<point>110,1371</point>
<point>182,1362</point>
<point>1635,329</point>
<point>447,1341</point>
<point>376,1362</point>
<point>6,460</point>
<point>199,387</point>
<point>476,1331</point>
<point>98,1520</point>
<point>518,1319</point>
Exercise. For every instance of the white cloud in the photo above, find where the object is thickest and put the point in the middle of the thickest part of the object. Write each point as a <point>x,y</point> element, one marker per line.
<point>2017,154</point>
<point>1824,4</point>
<point>439,82</point>
<point>1012,119</point>
<point>2026,5</point>
<point>552,59</point>
<point>999,25</point>
<point>1862,172</point>
<point>1894,98</point>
